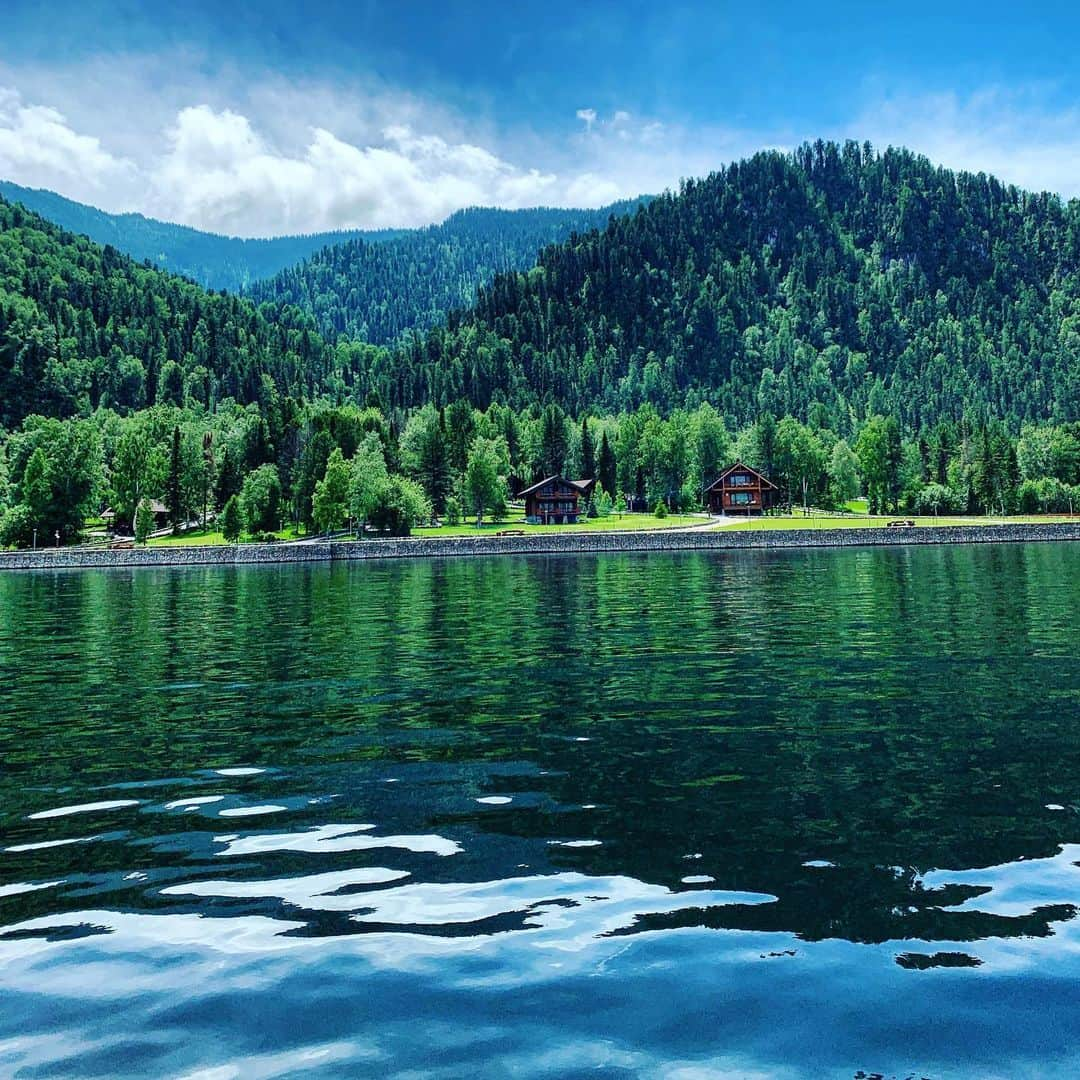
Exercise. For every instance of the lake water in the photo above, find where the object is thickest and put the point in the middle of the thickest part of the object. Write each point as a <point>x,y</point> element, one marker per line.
<point>747,814</point>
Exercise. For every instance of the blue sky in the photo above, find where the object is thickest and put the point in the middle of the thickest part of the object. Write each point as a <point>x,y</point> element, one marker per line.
<point>274,117</point>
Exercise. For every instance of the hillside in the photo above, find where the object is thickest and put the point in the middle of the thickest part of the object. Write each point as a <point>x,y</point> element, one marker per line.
<point>377,292</point>
<point>828,284</point>
<point>83,326</point>
<point>217,262</point>
<point>845,321</point>
<point>831,284</point>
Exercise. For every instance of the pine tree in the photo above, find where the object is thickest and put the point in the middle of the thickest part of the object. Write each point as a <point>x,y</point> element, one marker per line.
<point>554,446</point>
<point>144,522</point>
<point>230,481</point>
<point>207,471</point>
<point>230,519</point>
<point>588,452</point>
<point>433,466</point>
<point>607,466</point>
<point>175,510</point>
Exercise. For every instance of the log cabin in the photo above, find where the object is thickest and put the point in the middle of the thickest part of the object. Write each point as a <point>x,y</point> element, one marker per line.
<point>556,500</point>
<point>741,490</point>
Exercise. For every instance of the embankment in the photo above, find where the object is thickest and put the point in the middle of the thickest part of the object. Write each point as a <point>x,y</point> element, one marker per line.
<point>535,543</point>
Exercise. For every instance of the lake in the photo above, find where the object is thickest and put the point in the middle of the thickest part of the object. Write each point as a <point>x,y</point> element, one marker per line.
<point>685,815</point>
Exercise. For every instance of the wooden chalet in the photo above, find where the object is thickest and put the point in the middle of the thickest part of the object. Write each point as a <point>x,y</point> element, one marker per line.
<point>157,508</point>
<point>741,490</point>
<point>556,500</point>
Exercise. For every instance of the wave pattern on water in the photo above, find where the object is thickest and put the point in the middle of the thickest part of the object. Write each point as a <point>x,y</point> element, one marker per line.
<point>754,814</point>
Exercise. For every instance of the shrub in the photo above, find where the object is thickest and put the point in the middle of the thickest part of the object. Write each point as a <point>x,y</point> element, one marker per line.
<point>260,499</point>
<point>17,527</point>
<point>660,509</point>
<point>230,520</point>
<point>144,522</point>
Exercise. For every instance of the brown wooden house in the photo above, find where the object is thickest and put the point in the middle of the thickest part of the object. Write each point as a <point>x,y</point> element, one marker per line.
<point>556,500</point>
<point>157,508</point>
<point>741,490</point>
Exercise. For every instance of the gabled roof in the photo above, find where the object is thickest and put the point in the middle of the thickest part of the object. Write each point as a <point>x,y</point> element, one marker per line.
<point>583,486</point>
<point>537,486</point>
<point>156,507</point>
<point>763,480</point>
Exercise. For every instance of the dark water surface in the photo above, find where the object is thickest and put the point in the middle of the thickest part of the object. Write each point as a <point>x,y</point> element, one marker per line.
<point>747,814</point>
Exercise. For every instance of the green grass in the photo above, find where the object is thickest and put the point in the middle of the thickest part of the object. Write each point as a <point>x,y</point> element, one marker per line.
<point>798,521</point>
<point>614,522</point>
<point>637,522</point>
<point>200,537</point>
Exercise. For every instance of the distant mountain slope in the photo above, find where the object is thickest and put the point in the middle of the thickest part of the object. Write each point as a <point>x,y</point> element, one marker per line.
<point>830,283</point>
<point>217,262</point>
<point>83,326</point>
<point>377,292</point>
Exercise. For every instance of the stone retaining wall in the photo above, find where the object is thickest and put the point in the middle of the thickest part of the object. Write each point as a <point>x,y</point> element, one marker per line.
<point>536,543</point>
<point>205,555</point>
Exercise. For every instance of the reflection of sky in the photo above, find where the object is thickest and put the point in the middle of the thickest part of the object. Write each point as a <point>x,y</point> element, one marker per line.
<point>564,991</point>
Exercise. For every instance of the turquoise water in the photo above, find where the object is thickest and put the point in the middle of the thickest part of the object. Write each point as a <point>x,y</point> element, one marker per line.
<point>748,814</point>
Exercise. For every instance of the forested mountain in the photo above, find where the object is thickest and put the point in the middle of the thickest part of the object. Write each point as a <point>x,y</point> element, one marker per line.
<point>829,284</point>
<point>377,292</point>
<point>84,327</point>
<point>846,321</point>
<point>218,262</point>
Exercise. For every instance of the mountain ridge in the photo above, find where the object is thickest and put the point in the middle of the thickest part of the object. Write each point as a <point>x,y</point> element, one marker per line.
<point>409,283</point>
<point>213,260</point>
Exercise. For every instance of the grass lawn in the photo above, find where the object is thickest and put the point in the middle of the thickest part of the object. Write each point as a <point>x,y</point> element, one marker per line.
<point>198,537</point>
<point>635,522</point>
<point>612,522</point>
<point>798,521</point>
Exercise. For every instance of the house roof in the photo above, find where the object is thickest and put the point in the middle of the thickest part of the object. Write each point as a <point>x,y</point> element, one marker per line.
<point>583,486</point>
<point>739,466</point>
<point>537,486</point>
<point>156,507</point>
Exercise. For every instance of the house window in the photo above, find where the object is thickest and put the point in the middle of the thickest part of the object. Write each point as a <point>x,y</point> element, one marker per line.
<point>739,480</point>
<point>742,498</point>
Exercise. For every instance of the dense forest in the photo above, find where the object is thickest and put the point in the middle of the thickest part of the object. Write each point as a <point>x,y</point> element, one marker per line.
<point>217,262</point>
<point>378,291</point>
<point>84,327</point>
<point>831,284</point>
<point>849,322</point>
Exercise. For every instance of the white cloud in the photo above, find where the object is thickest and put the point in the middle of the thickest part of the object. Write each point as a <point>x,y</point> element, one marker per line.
<point>257,156</point>
<point>588,117</point>
<point>1018,134</point>
<point>37,145</point>
<point>222,174</point>
<point>216,170</point>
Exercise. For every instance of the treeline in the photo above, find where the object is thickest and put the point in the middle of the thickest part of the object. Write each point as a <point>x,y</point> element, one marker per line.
<point>844,320</point>
<point>83,327</point>
<point>830,285</point>
<point>377,291</point>
<point>257,469</point>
